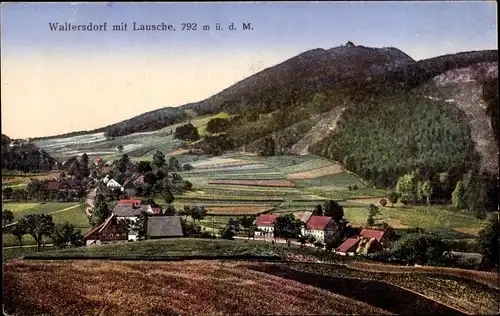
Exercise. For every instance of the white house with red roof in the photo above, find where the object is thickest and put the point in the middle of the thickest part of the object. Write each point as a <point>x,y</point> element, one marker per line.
<point>265,224</point>
<point>321,227</point>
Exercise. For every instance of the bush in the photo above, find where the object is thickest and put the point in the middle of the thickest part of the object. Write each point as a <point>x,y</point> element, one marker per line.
<point>355,187</point>
<point>350,188</point>
<point>383,202</point>
<point>419,248</point>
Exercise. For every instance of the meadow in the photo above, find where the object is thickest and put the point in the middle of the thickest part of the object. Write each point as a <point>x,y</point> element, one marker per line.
<point>60,212</point>
<point>240,184</point>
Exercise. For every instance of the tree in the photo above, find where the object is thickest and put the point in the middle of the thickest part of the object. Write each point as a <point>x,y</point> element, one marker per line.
<point>383,202</point>
<point>101,211</point>
<point>137,226</point>
<point>373,211</point>
<point>419,248</point>
<point>287,226</point>
<point>173,164</point>
<point>302,240</point>
<point>187,167</point>
<point>489,242</point>
<point>318,210</point>
<point>217,125</point>
<point>407,186</point>
<point>168,197</point>
<point>393,197</point>
<point>187,132</point>
<point>67,235</point>
<point>426,191</point>
<point>123,163</point>
<point>458,197</point>
<point>334,210</point>
<point>7,217</point>
<point>144,167</point>
<point>169,211</point>
<point>18,231</point>
<point>197,212</point>
<point>159,159</point>
<point>247,222</point>
<point>120,148</point>
<point>38,225</point>
<point>268,147</point>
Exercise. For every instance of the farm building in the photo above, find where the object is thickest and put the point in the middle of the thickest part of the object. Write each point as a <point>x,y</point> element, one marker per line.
<point>62,185</point>
<point>379,235</point>
<point>129,187</point>
<point>164,227</point>
<point>369,240</point>
<point>111,183</point>
<point>131,209</point>
<point>348,247</point>
<point>321,227</point>
<point>265,224</point>
<point>109,231</point>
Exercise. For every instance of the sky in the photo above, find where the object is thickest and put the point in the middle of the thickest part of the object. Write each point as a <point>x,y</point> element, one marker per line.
<point>56,82</point>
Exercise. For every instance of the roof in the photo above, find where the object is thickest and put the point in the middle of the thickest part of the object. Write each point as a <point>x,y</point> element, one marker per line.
<point>139,180</point>
<point>93,230</point>
<point>128,210</point>
<point>128,183</point>
<point>347,245</point>
<point>372,233</point>
<point>318,222</point>
<point>156,210</point>
<point>113,182</point>
<point>164,226</point>
<point>53,185</point>
<point>129,202</point>
<point>305,217</point>
<point>266,219</point>
<point>97,158</point>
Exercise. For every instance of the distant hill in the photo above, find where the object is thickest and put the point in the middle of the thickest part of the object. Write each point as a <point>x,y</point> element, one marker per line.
<point>375,110</point>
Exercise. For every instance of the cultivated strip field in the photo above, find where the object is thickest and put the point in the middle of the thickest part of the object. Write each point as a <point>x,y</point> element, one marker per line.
<point>261,183</point>
<point>185,288</point>
<point>333,169</point>
<point>236,210</point>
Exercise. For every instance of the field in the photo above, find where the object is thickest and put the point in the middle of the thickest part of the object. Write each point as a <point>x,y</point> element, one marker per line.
<point>246,184</point>
<point>61,213</point>
<point>345,285</point>
<point>18,181</point>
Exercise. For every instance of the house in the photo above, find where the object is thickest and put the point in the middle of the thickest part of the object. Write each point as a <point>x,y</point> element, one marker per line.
<point>164,227</point>
<point>113,184</point>
<point>156,210</point>
<point>321,227</point>
<point>98,161</point>
<point>130,210</point>
<point>265,224</point>
<point>139,181</point>
<point>369,240</point>
<point>348,247</point>
<point>109,231</point>
<point>129,187</point>
<point>62,185</point>
<point>379,235</point>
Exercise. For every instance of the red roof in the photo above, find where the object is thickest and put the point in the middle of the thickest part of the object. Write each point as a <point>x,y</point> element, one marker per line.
<point>266,219</point>
<point>128,202</point>
<point>53,185</point>
<point>348,245</point>
<point>156,210</point>
<point>97,158</point>
<point>372,233</point>
<point>318,222</point>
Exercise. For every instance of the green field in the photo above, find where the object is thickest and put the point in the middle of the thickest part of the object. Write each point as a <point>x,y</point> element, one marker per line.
<point>75,216</point>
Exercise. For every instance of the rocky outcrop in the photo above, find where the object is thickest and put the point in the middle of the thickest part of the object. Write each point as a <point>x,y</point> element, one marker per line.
<point>462,88</point>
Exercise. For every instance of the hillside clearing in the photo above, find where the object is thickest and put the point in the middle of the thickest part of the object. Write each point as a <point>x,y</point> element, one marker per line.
<point>333,169</point>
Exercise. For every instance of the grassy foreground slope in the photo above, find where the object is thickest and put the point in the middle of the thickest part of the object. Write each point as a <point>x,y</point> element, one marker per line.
<point>239,287</point>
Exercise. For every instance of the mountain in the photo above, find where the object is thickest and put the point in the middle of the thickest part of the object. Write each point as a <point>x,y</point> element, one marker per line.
<point>376,110</point>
